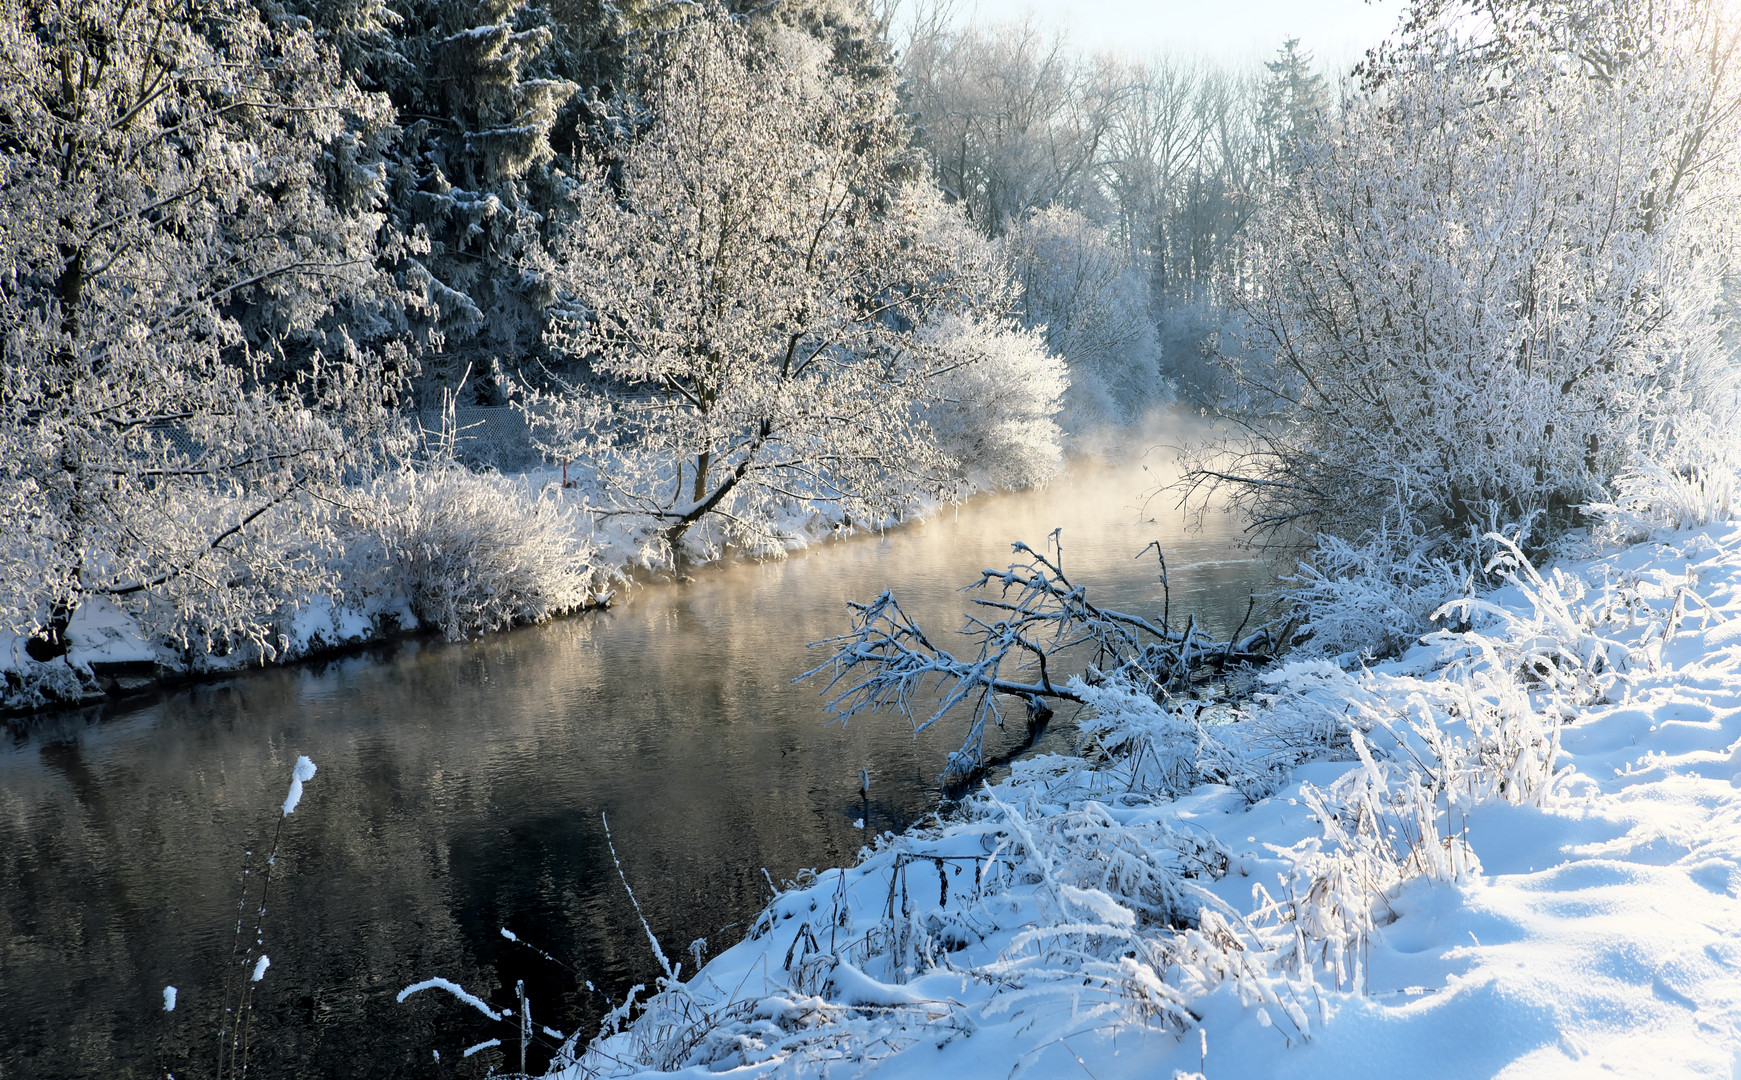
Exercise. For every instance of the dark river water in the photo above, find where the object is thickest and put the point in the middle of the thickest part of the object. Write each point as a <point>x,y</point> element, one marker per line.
<point>462,790</point>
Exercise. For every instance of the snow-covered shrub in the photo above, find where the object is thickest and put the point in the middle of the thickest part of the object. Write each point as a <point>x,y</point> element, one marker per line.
<point>1479,307</point>
<point>1372,597</point>
<point>1079,287</point>
<point>479,551</point>
<point>1161,746</point>
<point>994,405</point>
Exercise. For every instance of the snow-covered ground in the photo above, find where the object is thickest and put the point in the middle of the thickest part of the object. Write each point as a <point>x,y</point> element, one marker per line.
<point>1513,851</point>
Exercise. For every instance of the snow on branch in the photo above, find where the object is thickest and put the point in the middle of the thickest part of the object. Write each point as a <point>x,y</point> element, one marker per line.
<point>1025,617</point>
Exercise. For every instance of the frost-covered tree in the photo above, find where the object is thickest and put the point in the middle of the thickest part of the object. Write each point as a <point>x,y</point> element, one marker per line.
<point>1489,289</point>
<point>746,287</point>
<point>1294,103</point>
<point>495,100</point>
<point>186,192</point>
<point>994,403</point>
<point>1079,288</point>
<point>1013,118</point>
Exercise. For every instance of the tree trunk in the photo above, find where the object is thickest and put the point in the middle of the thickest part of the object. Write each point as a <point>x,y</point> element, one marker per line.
<point>700,487</point>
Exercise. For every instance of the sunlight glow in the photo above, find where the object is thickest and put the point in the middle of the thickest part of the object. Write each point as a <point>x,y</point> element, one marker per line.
<point>1334,30</point>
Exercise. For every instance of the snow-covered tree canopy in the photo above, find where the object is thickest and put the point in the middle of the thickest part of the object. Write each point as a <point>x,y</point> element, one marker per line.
<point>1488,289</point>
<point>1079,287</point>
<point>745,289</point>
<point>185,194</point>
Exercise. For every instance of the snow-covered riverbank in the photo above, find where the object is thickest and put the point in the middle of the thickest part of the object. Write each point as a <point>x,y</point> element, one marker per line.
<point>445,551</point>
<point>1515,850</point>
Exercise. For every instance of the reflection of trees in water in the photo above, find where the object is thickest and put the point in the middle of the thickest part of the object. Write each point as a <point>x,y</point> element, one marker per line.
<point>459,791</point>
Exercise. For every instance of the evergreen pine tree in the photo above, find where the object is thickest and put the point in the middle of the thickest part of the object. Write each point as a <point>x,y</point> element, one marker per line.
<point>1293,105</point>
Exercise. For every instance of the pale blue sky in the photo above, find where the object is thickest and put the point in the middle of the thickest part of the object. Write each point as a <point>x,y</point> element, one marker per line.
<point>1337,31</point>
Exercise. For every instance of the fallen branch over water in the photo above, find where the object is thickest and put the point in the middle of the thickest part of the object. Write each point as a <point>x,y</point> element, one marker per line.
<point>1024,617</point>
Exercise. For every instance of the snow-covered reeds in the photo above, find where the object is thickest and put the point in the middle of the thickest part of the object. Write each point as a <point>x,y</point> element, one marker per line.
<point>1485,728</point>
<point>1651,497</point>
<point>248,958</point>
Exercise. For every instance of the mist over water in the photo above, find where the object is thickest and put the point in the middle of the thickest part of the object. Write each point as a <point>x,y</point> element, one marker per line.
<point>461,787</point>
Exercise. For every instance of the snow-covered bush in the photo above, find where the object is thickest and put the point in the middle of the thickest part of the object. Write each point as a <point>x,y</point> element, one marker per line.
<point>1081,289</point>
<point>1480,307</point>
<point>1161,746</point>
<point>993,410</point>
<point>473,552</point>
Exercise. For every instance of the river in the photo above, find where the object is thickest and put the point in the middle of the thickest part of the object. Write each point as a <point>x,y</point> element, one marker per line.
<point>463,788</point>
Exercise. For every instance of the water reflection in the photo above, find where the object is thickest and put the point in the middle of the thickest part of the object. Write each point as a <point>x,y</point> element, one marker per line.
<point>461,789</point>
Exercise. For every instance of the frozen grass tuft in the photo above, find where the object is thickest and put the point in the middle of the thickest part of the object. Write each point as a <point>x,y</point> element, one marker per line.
<point>1371,598</point>
<point>1653,498</point>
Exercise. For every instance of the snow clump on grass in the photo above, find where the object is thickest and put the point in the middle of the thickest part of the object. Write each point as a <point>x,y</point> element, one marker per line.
<point>301,774</point>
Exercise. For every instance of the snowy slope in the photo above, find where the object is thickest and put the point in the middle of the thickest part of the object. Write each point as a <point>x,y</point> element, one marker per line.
<point>1515,851</point>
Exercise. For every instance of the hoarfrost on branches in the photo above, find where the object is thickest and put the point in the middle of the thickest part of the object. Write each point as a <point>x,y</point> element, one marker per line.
<point>175,218</point>
<point>1489,290</point>
<point>745,291</point>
